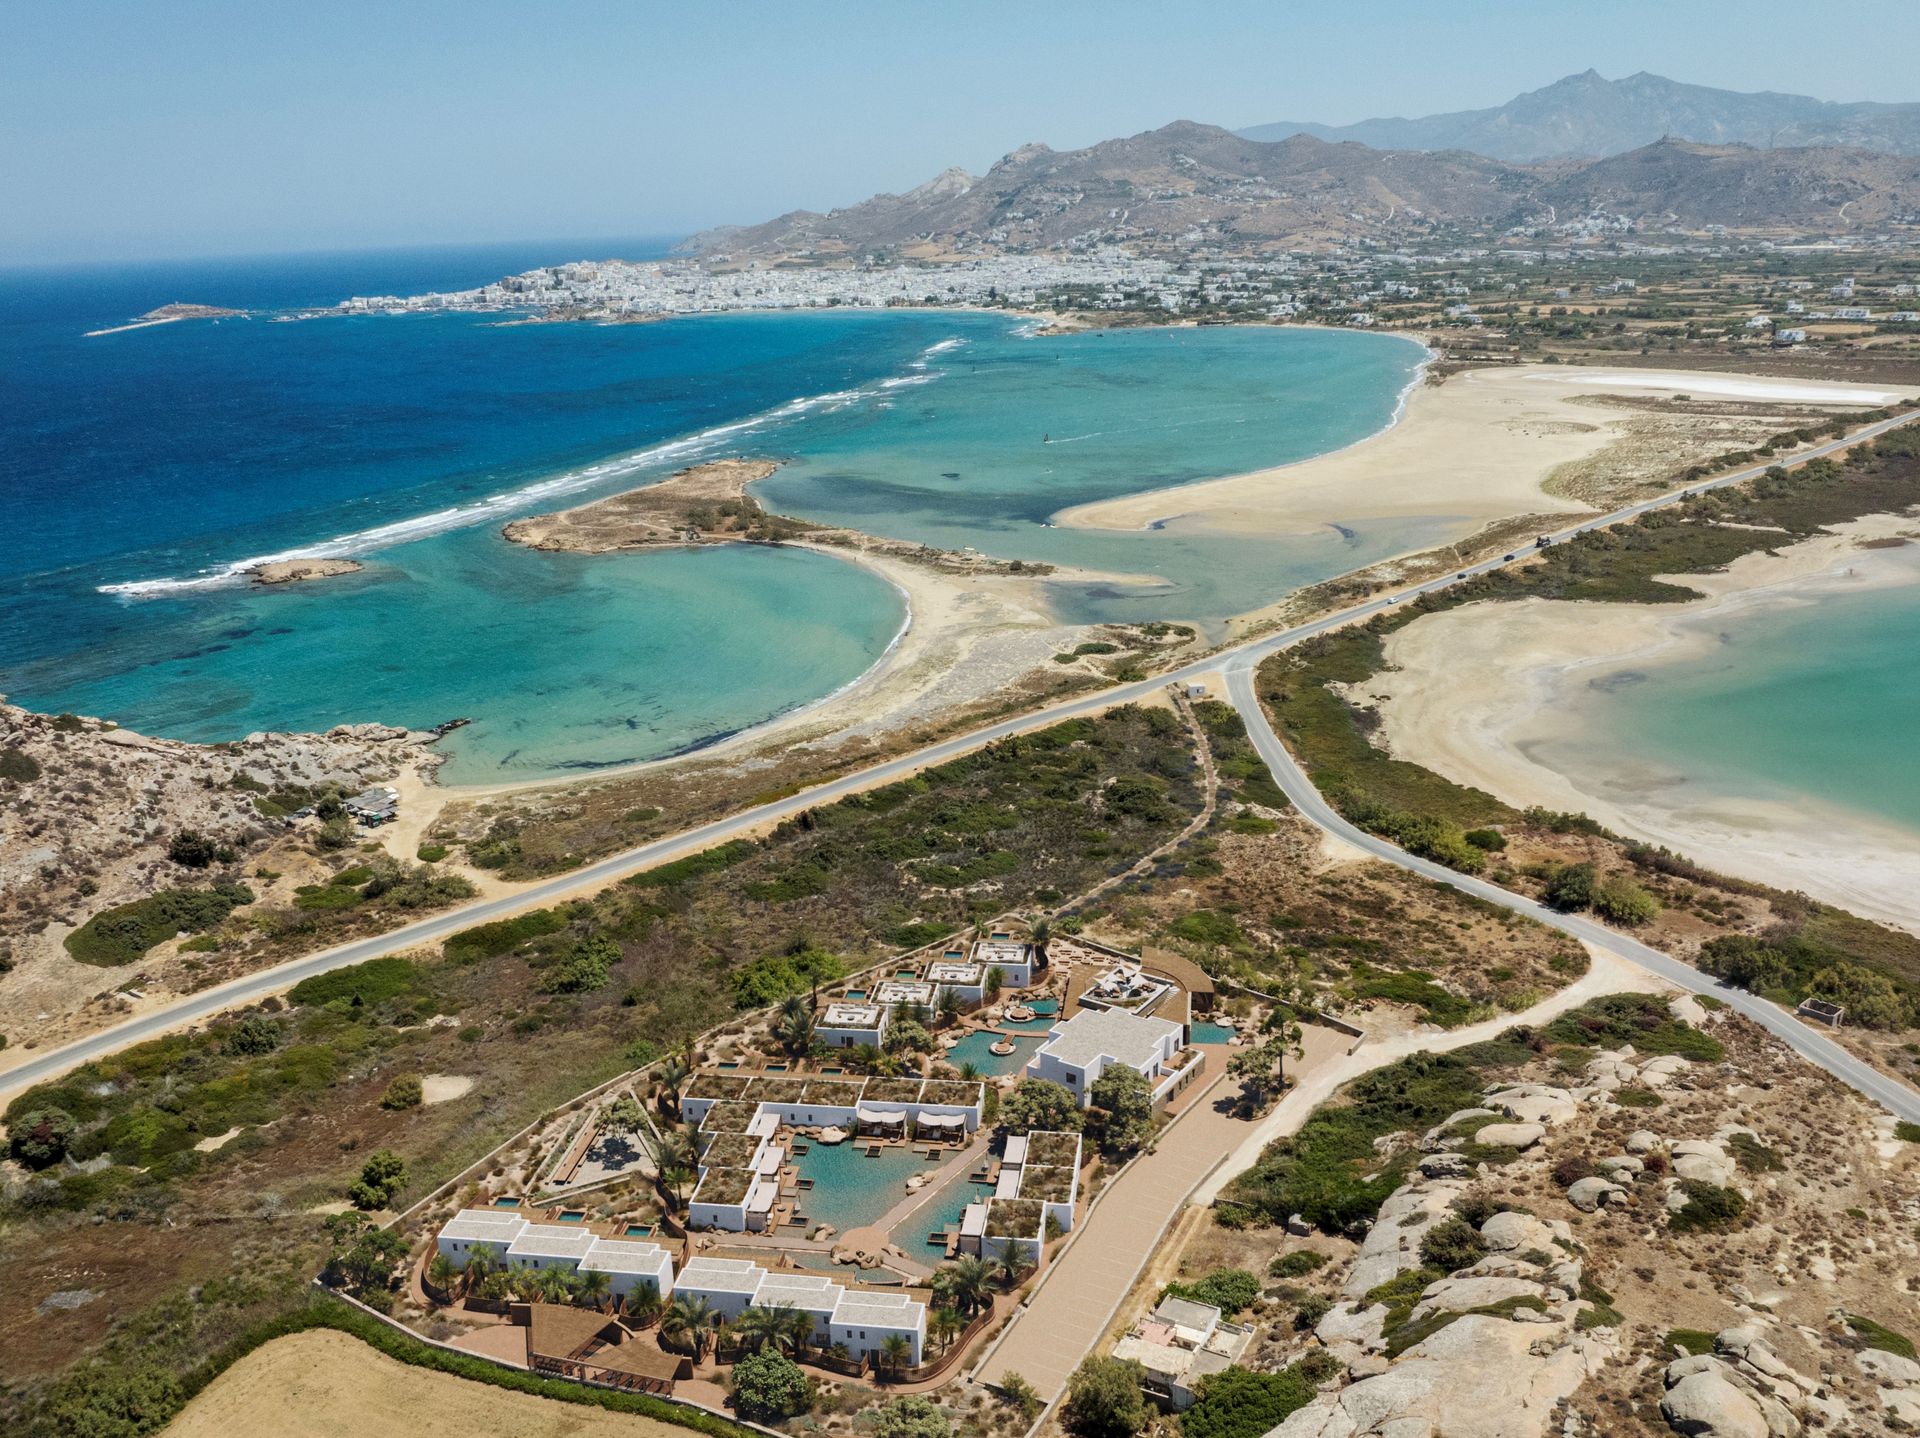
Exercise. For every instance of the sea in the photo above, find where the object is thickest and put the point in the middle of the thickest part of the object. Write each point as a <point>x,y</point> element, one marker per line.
<point>141,471</point>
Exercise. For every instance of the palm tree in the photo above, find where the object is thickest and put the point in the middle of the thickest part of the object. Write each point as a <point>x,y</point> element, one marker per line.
<point>1009,1266</point>
<point>691,1321</point>
<point>674,1152</point>
<point>946,1325</point>
<point>760,1328</point>
<point>1040,935</point>
<point>970,1072</point>
<point>442,1272</point>
<point>643,1304</point>
<point>795,1029</point>
<point>595,1284</point>
<point>965,1284</point>
<point>895,1351</point>
<point>949,1007</point>
<point>996,980</point>
<point>479,1265</point>
<point>674,1072</point>
<point>866,1057</point>
<point>799,1329</point>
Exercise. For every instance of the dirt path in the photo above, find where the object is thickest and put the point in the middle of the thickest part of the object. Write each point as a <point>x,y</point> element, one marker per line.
<point>325,1384</point>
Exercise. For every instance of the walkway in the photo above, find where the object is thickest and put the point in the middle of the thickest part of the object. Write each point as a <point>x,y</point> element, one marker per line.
<point>1083,1287</point>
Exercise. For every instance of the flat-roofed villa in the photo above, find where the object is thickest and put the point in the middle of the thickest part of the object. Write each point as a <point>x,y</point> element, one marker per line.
<point>1039,1179</point>
<point>1178,1344</point>
<point>845,1024</point>
<point>1011,956</point>
<point>1126,986</point>
<point>904,993</point>
<point>1078,1051</point>
<point>513,1241</point>
<point>969,981</point>
<point>862,1319</point>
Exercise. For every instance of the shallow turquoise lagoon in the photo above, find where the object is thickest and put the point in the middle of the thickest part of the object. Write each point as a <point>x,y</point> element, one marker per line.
<point>851,1190</point>
<point>1818,701</point>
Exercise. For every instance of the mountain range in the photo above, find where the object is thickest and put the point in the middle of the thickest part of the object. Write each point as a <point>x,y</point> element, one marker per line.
<point>1188,183</point>
<point>1588,115</point>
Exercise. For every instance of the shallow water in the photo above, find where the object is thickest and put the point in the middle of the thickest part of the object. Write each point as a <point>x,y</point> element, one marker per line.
<point>140,469</point>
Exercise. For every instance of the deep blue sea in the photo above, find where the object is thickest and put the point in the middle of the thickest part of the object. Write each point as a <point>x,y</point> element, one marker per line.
<point>138,470</point>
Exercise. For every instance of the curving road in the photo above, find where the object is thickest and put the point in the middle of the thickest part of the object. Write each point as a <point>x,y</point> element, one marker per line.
<point>1238,662</point>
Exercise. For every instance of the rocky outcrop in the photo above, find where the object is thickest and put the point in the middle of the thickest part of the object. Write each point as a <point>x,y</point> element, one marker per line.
<point>1740,1390</point>
<point>1392,1245</point>
<point>1589,1194</point>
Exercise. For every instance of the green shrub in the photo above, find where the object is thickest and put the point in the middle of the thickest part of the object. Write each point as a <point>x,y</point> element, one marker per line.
<point>1643,1020</point>
<point>1207,926</point>
<point>122,935</point>
<point>1570,887</point>
<point>430,853</point>
<point>1620,900</point>
<point>1239,1403</point>
<point>17,767</point>
<point>1451,1245</point>
<point>403,1093</point>
<point>1708,1209</point>
<point>361,985</point>
<point>1874,1335</point>
<point>40,1137</point>
<point>769,1387</point>
<point>486,941</point>
<point>1753,1155</point>
<point>1228,1289</point>
<point>584,969</point>
<point>1695,1341</point>
<point>1297,1264</point>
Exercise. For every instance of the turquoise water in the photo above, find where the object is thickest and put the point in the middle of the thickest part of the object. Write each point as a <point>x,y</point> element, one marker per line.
<point>941,1213</point>
<point>1816,701</point>
<point>976,1047</point>
<point>1210,1033</point>
<point>142,470</point>
<point>851,1190</point>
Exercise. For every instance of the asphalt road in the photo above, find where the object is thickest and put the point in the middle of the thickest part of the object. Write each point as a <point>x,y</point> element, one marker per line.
<point>1809,1043</point>
<point>1238,661</point>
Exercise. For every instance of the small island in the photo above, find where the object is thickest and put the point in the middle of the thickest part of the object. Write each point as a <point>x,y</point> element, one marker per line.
<point>167,315</point>
<point>703,504</point>
<point>295,571</point>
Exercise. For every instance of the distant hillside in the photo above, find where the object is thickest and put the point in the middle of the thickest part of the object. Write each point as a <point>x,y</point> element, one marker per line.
<point>1587,115</point>
<point>1189,183</point>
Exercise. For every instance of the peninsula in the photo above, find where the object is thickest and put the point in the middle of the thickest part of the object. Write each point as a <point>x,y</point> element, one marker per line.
<point>167,315</point>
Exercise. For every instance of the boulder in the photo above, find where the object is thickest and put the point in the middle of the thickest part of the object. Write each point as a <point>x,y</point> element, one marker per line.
<point>1642,1140</point>
<point>1349,1323</point>
<point>1663,1071</point>
<point>1888,1367</point>
<point>1443,1165</point>
<point>1621,1168</point>
<point>1464,1294</point>
<point>1588,1194</point>
<point>1392,1245</point>
<point>1534,1103</point>
<point>1511,1135</point>
<point>1516,1232</point>
<point>1703,1161</point>
<point>1707,1404</point>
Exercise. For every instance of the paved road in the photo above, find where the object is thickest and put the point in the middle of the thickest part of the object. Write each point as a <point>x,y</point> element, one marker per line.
<point>1809,1043</point>
<point>253,987</point>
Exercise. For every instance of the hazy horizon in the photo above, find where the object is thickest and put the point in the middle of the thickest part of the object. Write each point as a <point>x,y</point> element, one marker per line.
<point>211,128</point>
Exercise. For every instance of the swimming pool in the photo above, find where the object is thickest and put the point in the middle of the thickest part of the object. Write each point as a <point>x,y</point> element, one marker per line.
<point>639,1230</point>
<point>941,1213</point>
<point>1210,1033</point>
<point>506,1203</point>
<point>976,1049</point>
<point>849,1189</point>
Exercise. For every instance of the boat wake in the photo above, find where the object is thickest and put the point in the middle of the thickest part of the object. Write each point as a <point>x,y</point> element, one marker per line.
<point>499,507</point>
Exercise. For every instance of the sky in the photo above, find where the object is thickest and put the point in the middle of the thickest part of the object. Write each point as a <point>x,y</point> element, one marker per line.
<point>203,127</point>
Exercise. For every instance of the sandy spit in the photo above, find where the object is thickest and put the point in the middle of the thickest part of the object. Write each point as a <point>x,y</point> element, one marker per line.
<point>1480,693</point>
<point>1478,446</point>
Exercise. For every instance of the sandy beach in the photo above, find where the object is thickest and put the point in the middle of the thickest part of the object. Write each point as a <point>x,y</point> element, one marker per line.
<point>1483,693</point>
<point>1484,445</point>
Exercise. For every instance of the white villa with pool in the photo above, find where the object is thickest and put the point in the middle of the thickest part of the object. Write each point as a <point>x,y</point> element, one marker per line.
<point>1079,1049</point>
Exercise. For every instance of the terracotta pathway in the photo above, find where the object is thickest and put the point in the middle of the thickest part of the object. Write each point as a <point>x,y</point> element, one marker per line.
<point>1047,1340</point>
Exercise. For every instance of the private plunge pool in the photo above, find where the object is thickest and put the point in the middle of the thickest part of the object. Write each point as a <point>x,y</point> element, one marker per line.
<point>851,1190</point>
<point>977,1049</point>
<point>1210,1033</point>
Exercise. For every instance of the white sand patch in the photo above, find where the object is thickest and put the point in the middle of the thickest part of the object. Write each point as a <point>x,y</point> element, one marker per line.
<point>442,1088</point>
<point>1718,386</point>
<point>217,1141</point>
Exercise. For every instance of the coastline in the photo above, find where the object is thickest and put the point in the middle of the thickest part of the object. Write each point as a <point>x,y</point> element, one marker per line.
<point>1480,445</point>
<point>1491,695</point>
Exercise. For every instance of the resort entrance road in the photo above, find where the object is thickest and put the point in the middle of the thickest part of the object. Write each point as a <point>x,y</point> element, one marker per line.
<point>1238,662</point>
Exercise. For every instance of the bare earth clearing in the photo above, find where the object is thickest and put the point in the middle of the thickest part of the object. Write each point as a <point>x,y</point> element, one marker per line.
<point>325,1384</point>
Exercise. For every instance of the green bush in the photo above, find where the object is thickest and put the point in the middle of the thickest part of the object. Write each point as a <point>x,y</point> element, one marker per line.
<point>582,970</point>
<point>1620,900</point>
<point>430,853</point>
<point>1695,1341</point>
<point>1643,1020</point>
<point>403,1093</point>
<point>17,767</point>
<point>1874,1335</point>
<point>122,935</point>
<point>769,1387</point>
<point>1297,1264</point>
<point>767,980</point>
<point>1451,1245</point>
<point>1239,1403</point>
<point>1207,926</point>
<point>40,1137</point>
<point>1708,1209</point>
<point>1228,1289</point>
<point>1570,887</point>
<point>361,985</point>
<point>486,941</point>
<point>1104,1399</point>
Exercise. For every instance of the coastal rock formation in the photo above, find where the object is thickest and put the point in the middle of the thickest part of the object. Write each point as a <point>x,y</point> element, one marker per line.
<point>295,571</point>
<point>704,503</point>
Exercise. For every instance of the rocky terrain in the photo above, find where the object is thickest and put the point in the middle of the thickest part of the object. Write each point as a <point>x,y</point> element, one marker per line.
<point>90,816</point>
<point>1634,1244</point>
<point>1587,114</point>
<point>1188,184</point>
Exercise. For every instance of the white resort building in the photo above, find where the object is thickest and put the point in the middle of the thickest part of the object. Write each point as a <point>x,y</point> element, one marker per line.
<point>1078,1050</point>
<point>1039,1181</point>
<point>1013,958</point>
<point>510,1241</point>
<point>846,1025</point>
<point>862,1319</point>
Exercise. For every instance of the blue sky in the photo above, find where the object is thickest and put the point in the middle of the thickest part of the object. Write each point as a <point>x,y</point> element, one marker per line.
<point>206,127</point>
